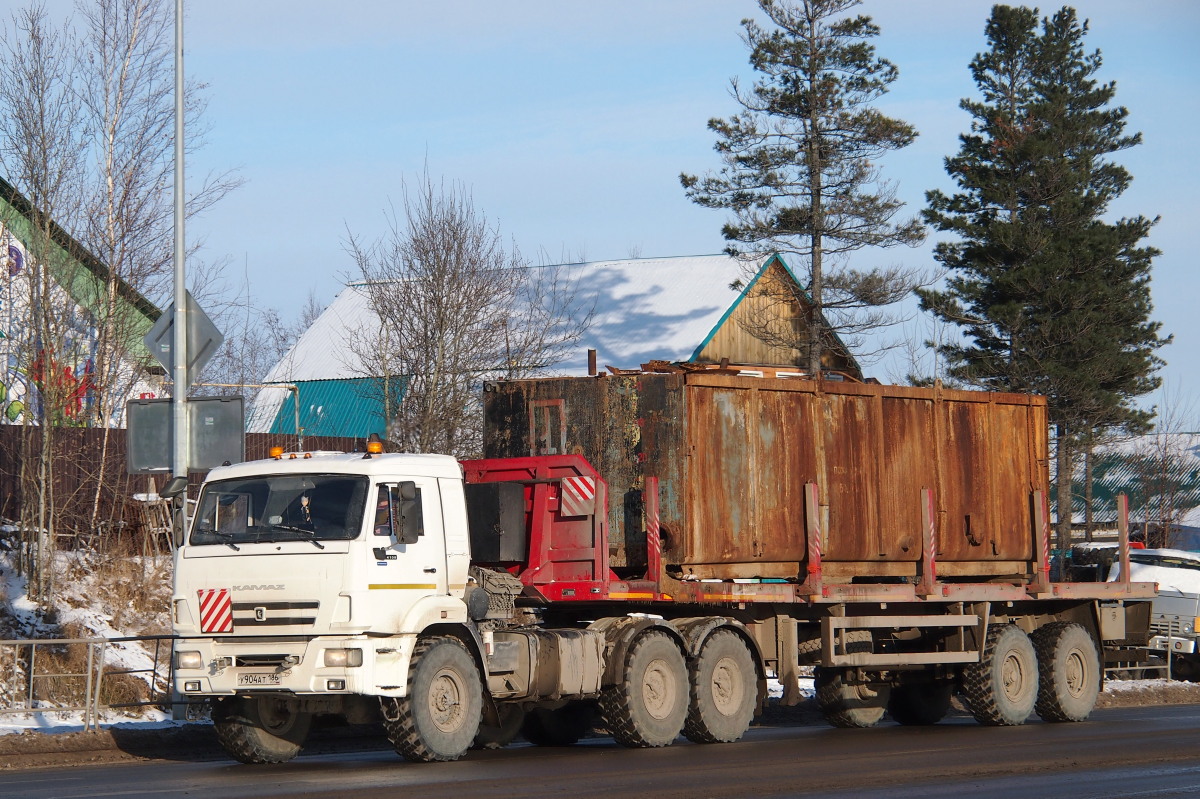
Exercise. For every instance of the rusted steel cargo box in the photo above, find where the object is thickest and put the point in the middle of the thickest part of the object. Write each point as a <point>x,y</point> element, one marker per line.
<point>733,456</point>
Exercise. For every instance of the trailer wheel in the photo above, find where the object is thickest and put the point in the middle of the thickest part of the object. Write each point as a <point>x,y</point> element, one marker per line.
<point>562,726</point>
<point>647,707</point>
<point>440,717</point>
<point>850,704</point>
<point>489,737</point>
<point>808,651</point>
<point>723,689</point>
<point>260,730</point>
<point>1069,665</point>
<point>920,705</point>
<point>1002,687</point>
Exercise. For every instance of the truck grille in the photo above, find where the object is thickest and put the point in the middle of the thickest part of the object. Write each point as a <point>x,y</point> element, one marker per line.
<point>274,614</point>
<point>260,660</point>
<point>1174,628</point>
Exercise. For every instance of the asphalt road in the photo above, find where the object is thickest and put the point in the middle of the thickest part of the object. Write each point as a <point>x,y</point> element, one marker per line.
<point>1125,752</point>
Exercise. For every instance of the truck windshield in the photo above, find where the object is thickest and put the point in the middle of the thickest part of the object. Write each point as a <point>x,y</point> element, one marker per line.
<point>292,507</point>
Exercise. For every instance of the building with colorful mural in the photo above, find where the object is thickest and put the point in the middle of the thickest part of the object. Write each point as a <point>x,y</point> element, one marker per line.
<point>57,359</point>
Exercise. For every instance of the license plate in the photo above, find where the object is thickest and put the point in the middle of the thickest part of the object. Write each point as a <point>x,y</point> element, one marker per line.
<point>259,679</point>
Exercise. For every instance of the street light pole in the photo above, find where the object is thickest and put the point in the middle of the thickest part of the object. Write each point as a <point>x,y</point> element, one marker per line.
<point>179,457</point>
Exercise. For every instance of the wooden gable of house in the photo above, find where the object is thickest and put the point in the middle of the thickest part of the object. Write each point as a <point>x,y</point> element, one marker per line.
<point>765,323</point>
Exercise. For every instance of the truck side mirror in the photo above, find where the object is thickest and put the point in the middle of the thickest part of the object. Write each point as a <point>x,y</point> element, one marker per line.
<point>412,524</point>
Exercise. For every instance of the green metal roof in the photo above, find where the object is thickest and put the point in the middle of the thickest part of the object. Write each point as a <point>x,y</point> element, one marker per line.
<point>348,408</point>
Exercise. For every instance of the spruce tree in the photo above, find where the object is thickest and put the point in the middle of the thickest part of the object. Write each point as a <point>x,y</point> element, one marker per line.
<point>1051,297</point>
<point>800,174</point>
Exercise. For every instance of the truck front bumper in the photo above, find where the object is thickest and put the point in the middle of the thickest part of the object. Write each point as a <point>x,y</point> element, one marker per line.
<point>322,665</point>
<point>1176,644</point>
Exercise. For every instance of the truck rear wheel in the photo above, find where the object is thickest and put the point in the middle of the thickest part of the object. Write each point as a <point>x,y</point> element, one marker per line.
<point>440,717</point>
<point>723,691</point>
<point>260,730</point>
<point>850,704</point>
<point>1002,687</point>
<point>920,705</point>
<point>647,707</point>
<point>1069,665</point>
<point>562,726</point>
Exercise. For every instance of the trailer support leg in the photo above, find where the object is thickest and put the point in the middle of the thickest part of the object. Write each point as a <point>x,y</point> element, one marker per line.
<point>787,653</point>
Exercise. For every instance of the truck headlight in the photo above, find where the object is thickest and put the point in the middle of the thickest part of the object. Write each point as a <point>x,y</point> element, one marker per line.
<point>343,657</point>
<point>188,660</point>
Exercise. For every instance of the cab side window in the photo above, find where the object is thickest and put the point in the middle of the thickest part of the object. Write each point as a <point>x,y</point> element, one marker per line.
<point>383,512</point>
<point>398,512</point>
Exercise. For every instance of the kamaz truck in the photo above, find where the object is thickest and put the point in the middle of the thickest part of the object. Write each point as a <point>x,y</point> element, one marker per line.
<point>643,552</point>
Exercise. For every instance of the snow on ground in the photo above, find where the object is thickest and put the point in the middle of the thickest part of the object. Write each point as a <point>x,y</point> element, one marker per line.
<point>95,596</point>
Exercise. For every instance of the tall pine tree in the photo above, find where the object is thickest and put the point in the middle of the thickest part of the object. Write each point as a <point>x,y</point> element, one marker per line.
<point>1051,297</point>
<point>800,174</point>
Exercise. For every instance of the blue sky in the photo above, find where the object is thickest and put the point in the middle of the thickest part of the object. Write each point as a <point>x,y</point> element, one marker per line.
<point>570,122</point>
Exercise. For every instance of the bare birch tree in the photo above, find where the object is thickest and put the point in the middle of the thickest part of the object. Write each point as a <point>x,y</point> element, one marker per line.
<point>86,137</point>
<point>41,150</point>
<point>456,306</point>
<point>127,92</point>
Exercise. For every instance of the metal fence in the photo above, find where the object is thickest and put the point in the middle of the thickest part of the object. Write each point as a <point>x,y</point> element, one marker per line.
<point>54,675</point>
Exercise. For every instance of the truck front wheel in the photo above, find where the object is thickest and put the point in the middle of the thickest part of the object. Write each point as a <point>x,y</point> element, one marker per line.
<point>1002,687</point>
<point>1069,665</point>
<point>723,691</point>
<point>648,706</point>
<point>440,717</point>
<point>261,729</point>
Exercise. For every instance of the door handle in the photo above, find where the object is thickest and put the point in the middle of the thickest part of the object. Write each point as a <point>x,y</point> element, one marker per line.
<point>430,571</point>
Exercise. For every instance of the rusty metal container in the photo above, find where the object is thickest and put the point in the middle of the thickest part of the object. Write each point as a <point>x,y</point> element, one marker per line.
<point>733,456</point>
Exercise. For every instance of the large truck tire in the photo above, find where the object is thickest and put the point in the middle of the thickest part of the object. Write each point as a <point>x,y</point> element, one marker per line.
<point>440,717</point>
<point>850,704</point>
<point>723,691</point>
<point>1069,669</point>
<point>261,729</point>
<point>649,704</point>
<point>808,651</point>
<point>562,726</point>
<point>920,705</point>
<point>1002,687</point>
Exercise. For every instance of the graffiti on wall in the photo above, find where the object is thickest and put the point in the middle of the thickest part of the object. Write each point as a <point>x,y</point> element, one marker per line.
<point>32,369</point>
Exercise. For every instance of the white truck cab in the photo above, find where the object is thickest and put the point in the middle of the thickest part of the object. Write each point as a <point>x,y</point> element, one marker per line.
<point>312,575</point>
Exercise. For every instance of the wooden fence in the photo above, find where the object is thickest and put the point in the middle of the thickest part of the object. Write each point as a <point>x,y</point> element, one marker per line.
<point>91,493</point>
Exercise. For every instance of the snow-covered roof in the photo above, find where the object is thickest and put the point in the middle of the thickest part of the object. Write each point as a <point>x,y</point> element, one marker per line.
<point>645,308</point>
<point>323,351</point>
<point>653,308</point>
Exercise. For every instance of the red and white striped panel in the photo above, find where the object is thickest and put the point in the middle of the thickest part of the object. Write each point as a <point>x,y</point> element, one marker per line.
<point>216,610</point>
<point>577,496</point>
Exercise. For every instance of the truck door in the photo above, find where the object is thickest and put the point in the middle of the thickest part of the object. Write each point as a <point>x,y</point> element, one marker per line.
<point>408,549</point>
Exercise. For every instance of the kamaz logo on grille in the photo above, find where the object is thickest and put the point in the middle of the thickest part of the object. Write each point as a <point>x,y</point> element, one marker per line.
<point>275,614</point>
<point>258,587</point>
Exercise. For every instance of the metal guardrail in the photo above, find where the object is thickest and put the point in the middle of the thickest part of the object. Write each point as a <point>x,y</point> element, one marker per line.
<point>41,679</point>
